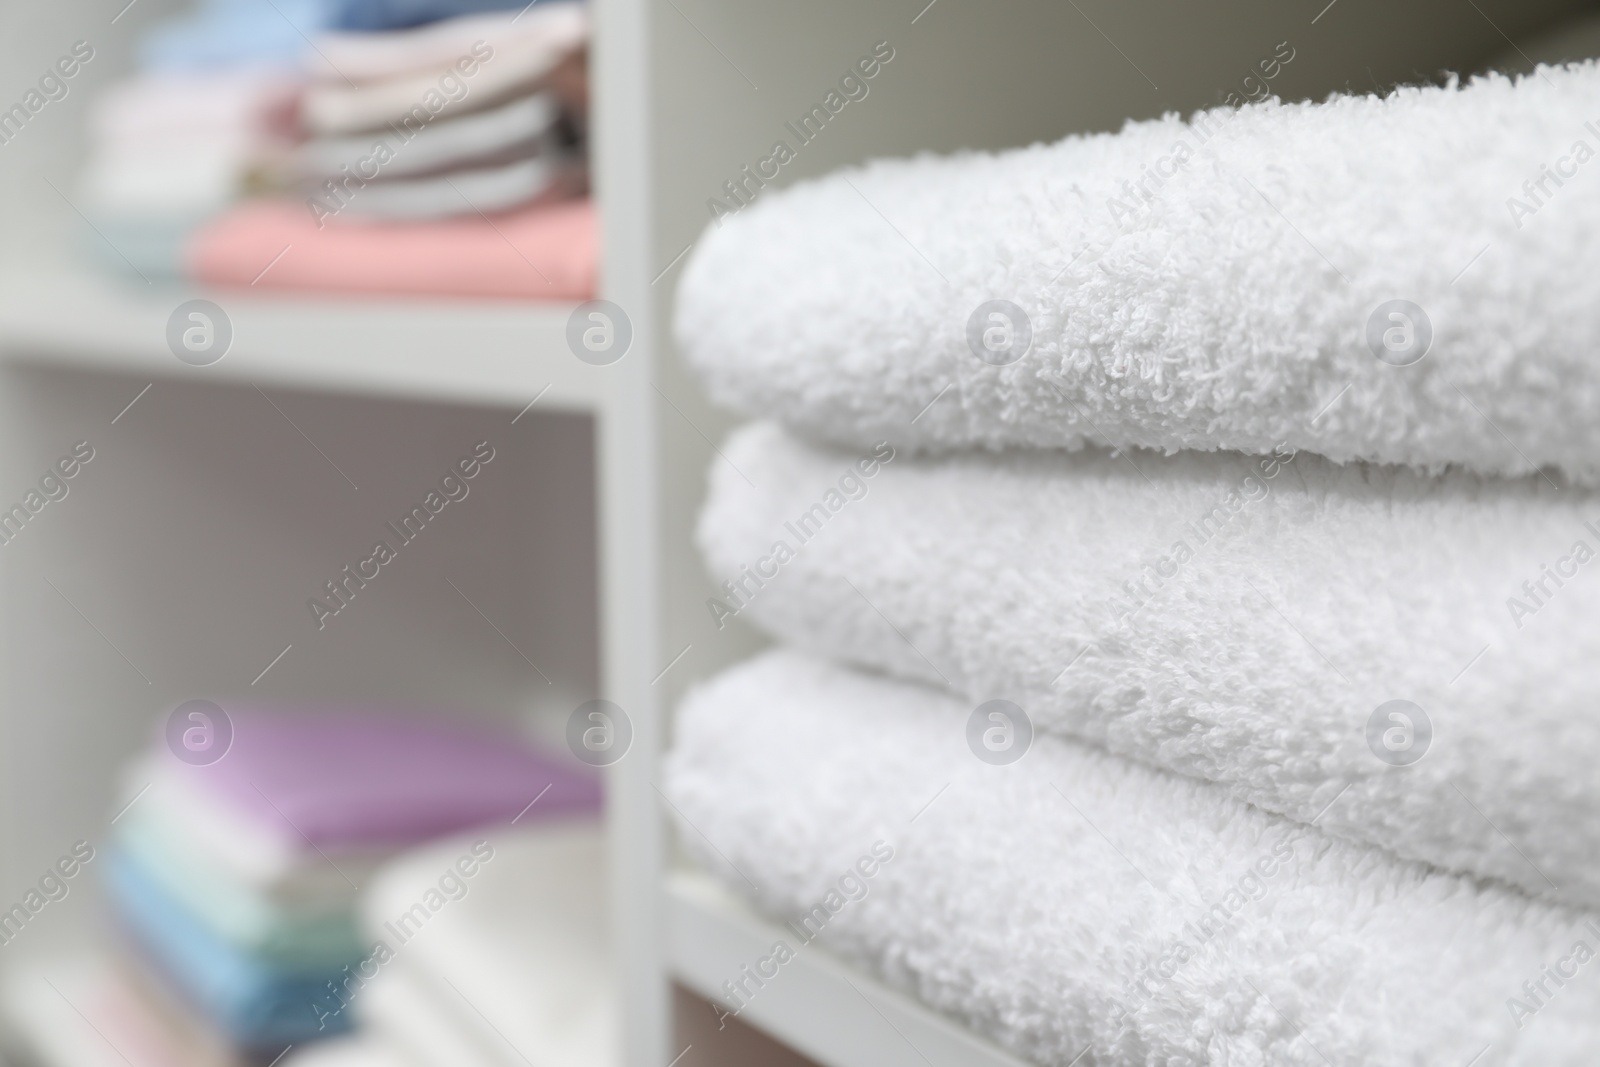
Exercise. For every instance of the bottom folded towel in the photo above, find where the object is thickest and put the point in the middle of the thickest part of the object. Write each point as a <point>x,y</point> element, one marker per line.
<point>1080,908</point>
<point>545,252</point>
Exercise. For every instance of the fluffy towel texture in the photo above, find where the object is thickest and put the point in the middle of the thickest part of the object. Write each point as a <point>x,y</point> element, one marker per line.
<point>445,144</point>
<point>1032,900</point>
<point>488,71</point>
<point>538,253</point>
<point>517,970</point>
<point>1253,655</point>
<point>1224,307</point>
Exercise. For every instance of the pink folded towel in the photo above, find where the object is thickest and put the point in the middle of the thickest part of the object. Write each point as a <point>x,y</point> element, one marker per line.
<point>538,253</point>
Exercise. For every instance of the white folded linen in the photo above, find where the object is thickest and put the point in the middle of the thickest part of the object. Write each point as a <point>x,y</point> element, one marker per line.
<point>406,1013</point>
<point>168,146</point>
<point>516,967</point>
<point>468,192</point>
<point>450,142</point>
<point>1081,908</point>
<point>1239,619</point>
<point>151,112</point>
<point>1220,283</point>
<point>487,69</point>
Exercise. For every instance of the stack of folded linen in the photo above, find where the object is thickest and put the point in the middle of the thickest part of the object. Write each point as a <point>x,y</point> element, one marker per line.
<point>181,141</point>
<point>417,138</point>
<point>392,146</point>
<point>491,952</point>
<point>234,884</point>
<point>1214,505</point>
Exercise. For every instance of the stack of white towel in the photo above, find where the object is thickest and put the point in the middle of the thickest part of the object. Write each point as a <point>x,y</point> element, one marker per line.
<point>1185,543</point>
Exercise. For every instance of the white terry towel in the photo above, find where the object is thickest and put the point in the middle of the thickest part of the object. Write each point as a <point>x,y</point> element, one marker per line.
<point>1074,904</point>
<point>517,966</point>
<point>450,142</point>
<point>1231,618</point>
<point>487,70</point>
<point>1206,284</point>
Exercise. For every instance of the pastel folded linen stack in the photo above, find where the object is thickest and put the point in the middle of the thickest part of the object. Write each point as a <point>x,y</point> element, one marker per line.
<point>1238,628</point>
<point>460,117</point>
<point>446,159</point>
<point>237,882</point>
<point>353,112</point>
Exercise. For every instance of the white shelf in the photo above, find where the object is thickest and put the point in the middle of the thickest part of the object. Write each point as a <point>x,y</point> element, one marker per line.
<point>818,1005</point>
<point>491,352</point>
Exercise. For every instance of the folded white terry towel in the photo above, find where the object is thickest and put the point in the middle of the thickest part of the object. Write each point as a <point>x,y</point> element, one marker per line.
<point>488,70</point>
<point>450,142</point>
<point>1220,283</point>
<point>1238,619</point>
<point>1080,908</point>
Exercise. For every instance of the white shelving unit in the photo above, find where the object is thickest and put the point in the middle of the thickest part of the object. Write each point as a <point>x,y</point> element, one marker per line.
<point>583,555</point>
<point>711,934</point>
<point>488,352</point>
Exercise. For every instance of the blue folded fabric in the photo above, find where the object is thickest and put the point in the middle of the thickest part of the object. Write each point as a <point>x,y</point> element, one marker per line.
<point>241,916</point>
<point>255,1004</point>
<point>235,33</point>
<point>275,33</point>
<point>399,14</point>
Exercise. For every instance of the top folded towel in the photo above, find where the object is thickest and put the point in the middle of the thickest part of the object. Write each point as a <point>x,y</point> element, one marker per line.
<point>1403,279</point>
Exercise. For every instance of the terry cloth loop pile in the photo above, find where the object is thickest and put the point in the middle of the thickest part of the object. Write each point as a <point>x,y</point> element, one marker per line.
<point>1237,630</point>
<point>1076,900</point>
<point>1208,284</point>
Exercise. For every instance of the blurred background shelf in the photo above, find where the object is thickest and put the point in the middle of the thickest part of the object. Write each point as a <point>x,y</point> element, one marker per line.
<point>817,1004</point>
<point>482,352</point>
<point>194,541</point>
